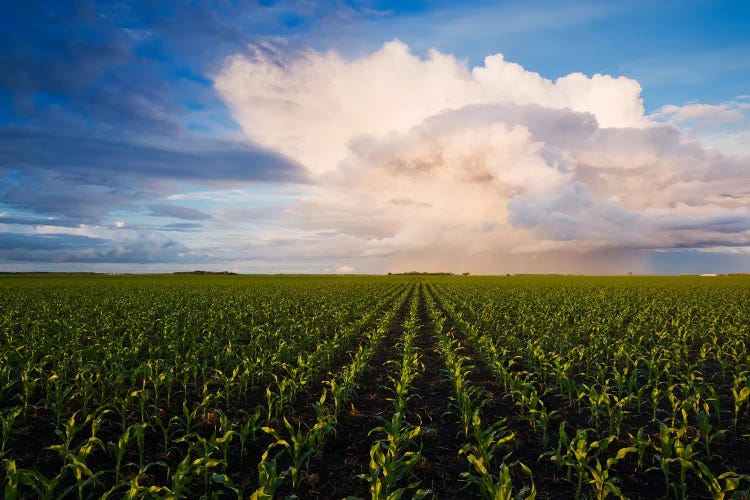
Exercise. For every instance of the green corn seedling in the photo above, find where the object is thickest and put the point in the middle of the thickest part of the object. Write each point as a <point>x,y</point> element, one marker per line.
<point>731,480</point>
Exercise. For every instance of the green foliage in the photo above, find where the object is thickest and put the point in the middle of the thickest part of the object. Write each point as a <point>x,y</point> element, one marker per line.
<point>182,386</point>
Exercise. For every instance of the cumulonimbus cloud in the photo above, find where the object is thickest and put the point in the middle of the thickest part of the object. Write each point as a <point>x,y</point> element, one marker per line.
<point>415,155</point>
<point>312,105</point>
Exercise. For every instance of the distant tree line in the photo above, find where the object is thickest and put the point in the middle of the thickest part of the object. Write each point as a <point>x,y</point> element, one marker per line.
<point>205,272</point>
<point>418,273</point>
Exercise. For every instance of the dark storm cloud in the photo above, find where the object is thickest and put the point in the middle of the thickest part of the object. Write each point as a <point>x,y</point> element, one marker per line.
<point>14,241</point>
<point>37,221</point>
<point>716,224</point>
<point>67,66</point>
<point>62,195</point>
<point>68,248</point>
<point>55,47</point>
<point>102,161</point>
<point>91,91</point>
<point>86,178</point>
<point>128,64</point>
<point>82,62</point>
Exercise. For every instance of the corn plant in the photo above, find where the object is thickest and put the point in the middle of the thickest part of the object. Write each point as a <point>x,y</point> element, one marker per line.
<point>134,487</point>
<point>119,450</point>
<point>269,479</point>
<point>640,443</point>
<point>577,454</point>
<point>740,394</point>
<point>7,420</point>
<point>675,446</point>
<point>15,478</point>
<point>731,481</point>
<point>387,472</point>
<point>707,433</point>
<point>481,453</point>
<point>296,446</point>
<point>248,429</point>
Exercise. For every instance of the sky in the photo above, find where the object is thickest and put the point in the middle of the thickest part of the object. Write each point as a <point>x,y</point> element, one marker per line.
<point>375,136</point>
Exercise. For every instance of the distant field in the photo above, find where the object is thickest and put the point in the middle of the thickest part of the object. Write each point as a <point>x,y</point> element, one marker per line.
<point>374,386</point>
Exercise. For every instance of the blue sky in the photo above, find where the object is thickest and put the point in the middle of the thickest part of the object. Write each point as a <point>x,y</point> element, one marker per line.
<point>143,136</point>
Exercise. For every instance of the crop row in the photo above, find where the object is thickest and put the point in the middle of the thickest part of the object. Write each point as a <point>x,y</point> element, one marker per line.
<point>609,392</point>
<point>177,402</point>
<point>549,387</point>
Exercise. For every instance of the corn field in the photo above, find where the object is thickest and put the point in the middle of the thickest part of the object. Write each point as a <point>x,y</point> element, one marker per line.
<point>380,387</point>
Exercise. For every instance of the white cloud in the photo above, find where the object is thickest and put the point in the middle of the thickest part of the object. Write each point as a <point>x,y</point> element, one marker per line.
<point>427,162</point>
<point>724,126</point>
<point>312,106</point>
<point>344,269</point>
<point>705,114</point>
